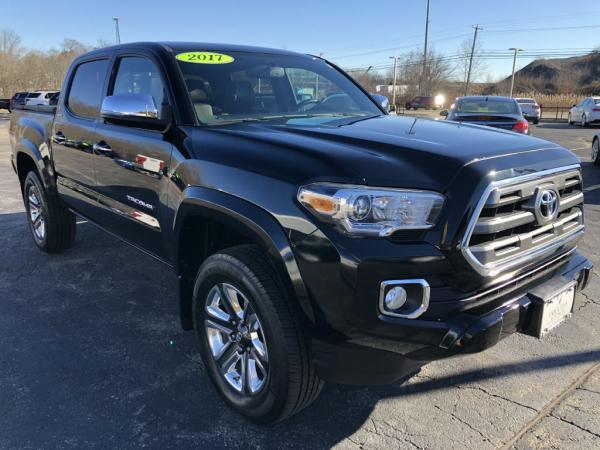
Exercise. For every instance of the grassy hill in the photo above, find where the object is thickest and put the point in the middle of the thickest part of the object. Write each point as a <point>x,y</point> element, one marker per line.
<point>575,75</point>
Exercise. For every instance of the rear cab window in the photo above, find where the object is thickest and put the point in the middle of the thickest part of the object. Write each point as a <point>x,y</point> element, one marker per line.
<point>475,106</point>
<point>85,92</point>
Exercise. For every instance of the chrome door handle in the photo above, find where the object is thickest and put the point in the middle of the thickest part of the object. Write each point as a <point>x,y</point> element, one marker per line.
<point>59,138</point>
<point>102,148</point>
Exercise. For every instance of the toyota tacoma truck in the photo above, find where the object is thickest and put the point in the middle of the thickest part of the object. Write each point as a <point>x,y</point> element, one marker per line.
<point>315,238</point>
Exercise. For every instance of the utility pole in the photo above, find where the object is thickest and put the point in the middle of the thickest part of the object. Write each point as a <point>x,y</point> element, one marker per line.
<point>395,58</point>
<point>477,28</point>
<point>424,75</point>
<point>512,78</point>
<point>116,19</point>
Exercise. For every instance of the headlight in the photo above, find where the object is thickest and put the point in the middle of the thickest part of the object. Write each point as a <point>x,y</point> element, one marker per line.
<point>372,211</point>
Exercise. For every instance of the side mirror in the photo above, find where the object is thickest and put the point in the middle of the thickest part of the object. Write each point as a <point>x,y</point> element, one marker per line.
<point>444,113</point>
<point>392,108</point>
<point>135,109</point>
<point>382,101</point>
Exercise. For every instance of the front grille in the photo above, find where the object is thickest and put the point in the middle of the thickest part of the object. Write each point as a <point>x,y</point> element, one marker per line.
<point>508,228</point>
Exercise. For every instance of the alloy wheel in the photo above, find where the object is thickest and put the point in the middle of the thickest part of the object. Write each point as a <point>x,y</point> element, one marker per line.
<point>36,215</point>
<point>595,149</point>
<point>236,339</point>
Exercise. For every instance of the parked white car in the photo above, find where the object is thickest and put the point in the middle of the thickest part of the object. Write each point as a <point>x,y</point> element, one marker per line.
<point>38,98</point>
<point>596,149</point>
<point>530,109</point>
<point>586,112</point>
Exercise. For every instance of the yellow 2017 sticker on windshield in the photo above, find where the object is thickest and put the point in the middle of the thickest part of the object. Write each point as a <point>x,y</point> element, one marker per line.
<point>205,58</point>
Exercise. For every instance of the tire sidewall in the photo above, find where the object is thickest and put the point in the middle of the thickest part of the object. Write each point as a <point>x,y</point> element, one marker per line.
<point>264,406</point>
<point>32,180</point>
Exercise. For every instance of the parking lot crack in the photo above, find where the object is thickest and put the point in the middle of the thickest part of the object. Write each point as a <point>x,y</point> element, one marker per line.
<point>464,422</point>
<point>562,419</point>
<point>588,390</point>
<point>491,394</point>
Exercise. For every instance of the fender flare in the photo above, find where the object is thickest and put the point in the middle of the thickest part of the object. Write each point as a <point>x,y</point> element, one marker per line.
<point>41,158</point>
<point>248,219</point>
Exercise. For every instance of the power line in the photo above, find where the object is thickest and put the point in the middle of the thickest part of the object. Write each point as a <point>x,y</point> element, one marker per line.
<point>513,30</point>
<point>490,55</point>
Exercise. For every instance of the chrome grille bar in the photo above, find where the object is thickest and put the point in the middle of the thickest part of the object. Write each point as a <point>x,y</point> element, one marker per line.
<point>505,230</point>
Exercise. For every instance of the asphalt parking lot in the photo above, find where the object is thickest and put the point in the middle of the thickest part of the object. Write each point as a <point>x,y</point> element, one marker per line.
<point>93,357</point>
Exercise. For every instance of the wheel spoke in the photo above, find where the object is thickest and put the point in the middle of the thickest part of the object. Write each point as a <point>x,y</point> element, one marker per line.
<point>245,380</point>
<point>38,221</point>
<point>231,301</point>
<point>230,371</point>
<point>257,338</point>
<point>213,307</point>
<point>221,325</point>
<point>33,200</point>
<point>228,358</point>
<point>257,359</point>
<point>254,381</point>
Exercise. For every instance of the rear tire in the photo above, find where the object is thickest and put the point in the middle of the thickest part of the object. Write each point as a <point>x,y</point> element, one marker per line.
<point>268,388</point>
<point>536,121</point>
<point>596,151</point>
<point>52,226</point>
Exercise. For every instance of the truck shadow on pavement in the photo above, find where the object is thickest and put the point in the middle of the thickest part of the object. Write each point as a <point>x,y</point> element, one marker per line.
<point>591,183</point>
<point>93,356</point>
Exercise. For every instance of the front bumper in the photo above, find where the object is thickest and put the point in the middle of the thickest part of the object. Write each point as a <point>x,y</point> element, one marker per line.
<point>403,345</point>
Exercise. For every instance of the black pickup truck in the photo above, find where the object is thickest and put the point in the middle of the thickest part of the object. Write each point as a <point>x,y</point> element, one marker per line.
<point>315,237</point>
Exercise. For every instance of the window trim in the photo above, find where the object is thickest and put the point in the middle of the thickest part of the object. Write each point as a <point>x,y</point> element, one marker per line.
<point>127,53</point>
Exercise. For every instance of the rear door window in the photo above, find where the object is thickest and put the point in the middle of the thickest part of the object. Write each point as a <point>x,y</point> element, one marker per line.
<point>86,89</point>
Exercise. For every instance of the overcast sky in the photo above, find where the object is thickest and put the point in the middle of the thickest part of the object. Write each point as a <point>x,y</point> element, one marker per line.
<point>352,33</point>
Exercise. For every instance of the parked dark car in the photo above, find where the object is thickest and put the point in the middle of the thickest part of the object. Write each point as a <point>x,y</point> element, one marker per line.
<point>53,100</point>
<point>422,102</point>
<point>18,100</point>
<point>491,111</point>
<point>314,240</point>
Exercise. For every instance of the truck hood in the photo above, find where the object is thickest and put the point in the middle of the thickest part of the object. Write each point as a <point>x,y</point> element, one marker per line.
<point>382,151</point>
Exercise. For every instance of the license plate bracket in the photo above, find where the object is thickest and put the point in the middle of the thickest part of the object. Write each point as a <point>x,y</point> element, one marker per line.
<point>552,304</point>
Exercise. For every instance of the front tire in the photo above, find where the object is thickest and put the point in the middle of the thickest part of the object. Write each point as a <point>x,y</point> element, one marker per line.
<point>52,226</point>
<point>250,341</point>
<point>596,151</point>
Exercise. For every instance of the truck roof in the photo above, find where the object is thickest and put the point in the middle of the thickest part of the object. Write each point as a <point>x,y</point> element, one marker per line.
<point>195,46</point>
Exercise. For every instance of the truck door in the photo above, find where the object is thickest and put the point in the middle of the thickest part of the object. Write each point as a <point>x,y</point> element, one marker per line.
<point>73,135</point>
<point>131,162</point>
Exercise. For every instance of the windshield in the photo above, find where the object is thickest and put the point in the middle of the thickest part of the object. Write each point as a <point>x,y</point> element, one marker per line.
<point>486,105</point>
<point>244,86</point>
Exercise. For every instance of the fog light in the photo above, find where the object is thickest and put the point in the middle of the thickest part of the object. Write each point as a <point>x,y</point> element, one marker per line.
<point>395,298</point>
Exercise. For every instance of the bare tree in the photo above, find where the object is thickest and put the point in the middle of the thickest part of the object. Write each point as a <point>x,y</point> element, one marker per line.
<point>10,43</point>
<point>410,69</point>
<point>478,66</point>
<point>24,71</point>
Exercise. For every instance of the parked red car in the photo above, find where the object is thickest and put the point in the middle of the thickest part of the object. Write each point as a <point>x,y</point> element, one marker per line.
<point>421,101</point>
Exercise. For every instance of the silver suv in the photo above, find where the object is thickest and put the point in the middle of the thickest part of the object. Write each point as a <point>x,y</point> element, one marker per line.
<point>530,109</point>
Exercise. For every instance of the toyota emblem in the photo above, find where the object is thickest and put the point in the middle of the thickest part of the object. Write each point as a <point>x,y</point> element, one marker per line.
<point>546,207</point>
